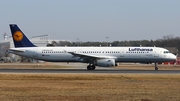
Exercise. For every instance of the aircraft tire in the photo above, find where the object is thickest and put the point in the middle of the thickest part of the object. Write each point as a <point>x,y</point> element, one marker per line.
<point>89,67</point>
<point>93,67</point>
<point>156,68</point>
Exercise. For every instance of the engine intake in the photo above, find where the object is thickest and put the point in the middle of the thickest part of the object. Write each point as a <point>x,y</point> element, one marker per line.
<point>105,62</point>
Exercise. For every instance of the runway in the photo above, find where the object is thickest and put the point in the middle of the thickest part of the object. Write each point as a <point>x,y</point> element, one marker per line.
<point>80,68</point>
<point>97,71</point>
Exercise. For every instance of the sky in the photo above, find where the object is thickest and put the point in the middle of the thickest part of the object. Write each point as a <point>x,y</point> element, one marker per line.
<point>92,20</point>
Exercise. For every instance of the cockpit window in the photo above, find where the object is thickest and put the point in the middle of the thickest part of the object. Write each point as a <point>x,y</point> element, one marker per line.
<point>165,52</point>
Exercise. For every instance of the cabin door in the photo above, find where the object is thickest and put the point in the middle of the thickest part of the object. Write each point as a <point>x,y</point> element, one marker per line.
<point>35,52</point>
<point>121,53</point>
<point>156,53</point>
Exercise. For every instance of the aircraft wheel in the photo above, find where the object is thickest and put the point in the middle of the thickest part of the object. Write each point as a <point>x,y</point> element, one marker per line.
<point>156,68</point>
<point>93,67</point>
<point>88,67</point>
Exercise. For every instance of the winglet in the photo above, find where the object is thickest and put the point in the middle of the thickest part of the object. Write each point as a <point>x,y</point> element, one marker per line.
<point>19,38</point>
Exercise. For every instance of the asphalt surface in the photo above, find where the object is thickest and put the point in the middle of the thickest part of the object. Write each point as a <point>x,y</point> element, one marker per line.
<point>97,71</point>
<point>77,68</point>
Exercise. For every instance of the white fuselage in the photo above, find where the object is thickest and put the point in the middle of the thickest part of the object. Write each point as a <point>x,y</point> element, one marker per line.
<point>120,54</point>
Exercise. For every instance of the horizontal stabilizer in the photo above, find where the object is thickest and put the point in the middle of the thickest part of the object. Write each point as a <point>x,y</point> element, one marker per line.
<point>15,50</point>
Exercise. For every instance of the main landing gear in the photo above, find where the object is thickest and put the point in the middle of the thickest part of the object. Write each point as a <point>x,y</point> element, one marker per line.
<point>156,67</point>
<point>91,67</point>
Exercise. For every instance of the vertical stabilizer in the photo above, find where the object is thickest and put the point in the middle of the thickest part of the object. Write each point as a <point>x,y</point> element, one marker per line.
<point>19,38</point>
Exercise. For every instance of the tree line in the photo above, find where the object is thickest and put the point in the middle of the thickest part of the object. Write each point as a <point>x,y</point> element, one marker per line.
<point>166,41</point>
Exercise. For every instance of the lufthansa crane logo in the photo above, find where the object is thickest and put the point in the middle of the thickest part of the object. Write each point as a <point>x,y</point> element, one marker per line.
<point>18,36</point>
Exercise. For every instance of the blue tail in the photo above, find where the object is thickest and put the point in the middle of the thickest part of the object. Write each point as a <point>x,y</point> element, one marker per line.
<point>20,40</point>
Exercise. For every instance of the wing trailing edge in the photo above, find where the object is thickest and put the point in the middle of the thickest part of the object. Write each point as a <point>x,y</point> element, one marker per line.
<point>81,55</point>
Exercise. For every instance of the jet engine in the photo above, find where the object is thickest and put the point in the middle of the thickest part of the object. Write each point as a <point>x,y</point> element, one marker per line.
<point>105,62</point>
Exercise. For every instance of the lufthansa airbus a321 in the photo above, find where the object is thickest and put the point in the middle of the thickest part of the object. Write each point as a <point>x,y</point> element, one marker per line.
<point>94,56</point>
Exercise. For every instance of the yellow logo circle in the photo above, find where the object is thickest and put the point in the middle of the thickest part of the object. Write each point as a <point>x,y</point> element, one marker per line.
<point>18,36</point>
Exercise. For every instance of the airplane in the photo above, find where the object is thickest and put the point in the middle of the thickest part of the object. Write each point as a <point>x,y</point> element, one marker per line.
<point>94,56</point>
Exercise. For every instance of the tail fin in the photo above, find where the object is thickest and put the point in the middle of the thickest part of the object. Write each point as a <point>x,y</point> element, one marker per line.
<point>20,40</point>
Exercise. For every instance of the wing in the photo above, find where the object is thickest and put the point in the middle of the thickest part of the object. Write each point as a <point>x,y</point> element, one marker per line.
<point>90,56</point>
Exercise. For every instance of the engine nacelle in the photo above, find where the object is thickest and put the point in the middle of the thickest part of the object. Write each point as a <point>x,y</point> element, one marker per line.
<point>105,62</point>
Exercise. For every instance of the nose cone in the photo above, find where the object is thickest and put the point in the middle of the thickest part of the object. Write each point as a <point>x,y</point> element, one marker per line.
<point>173,57</point>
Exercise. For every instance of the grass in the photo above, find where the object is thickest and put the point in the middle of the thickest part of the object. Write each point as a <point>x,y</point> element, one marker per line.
<point>31,66</point>
<point>89,87</point>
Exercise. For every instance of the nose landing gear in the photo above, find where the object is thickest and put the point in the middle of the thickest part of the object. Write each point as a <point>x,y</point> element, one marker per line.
<point>156,67</point>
